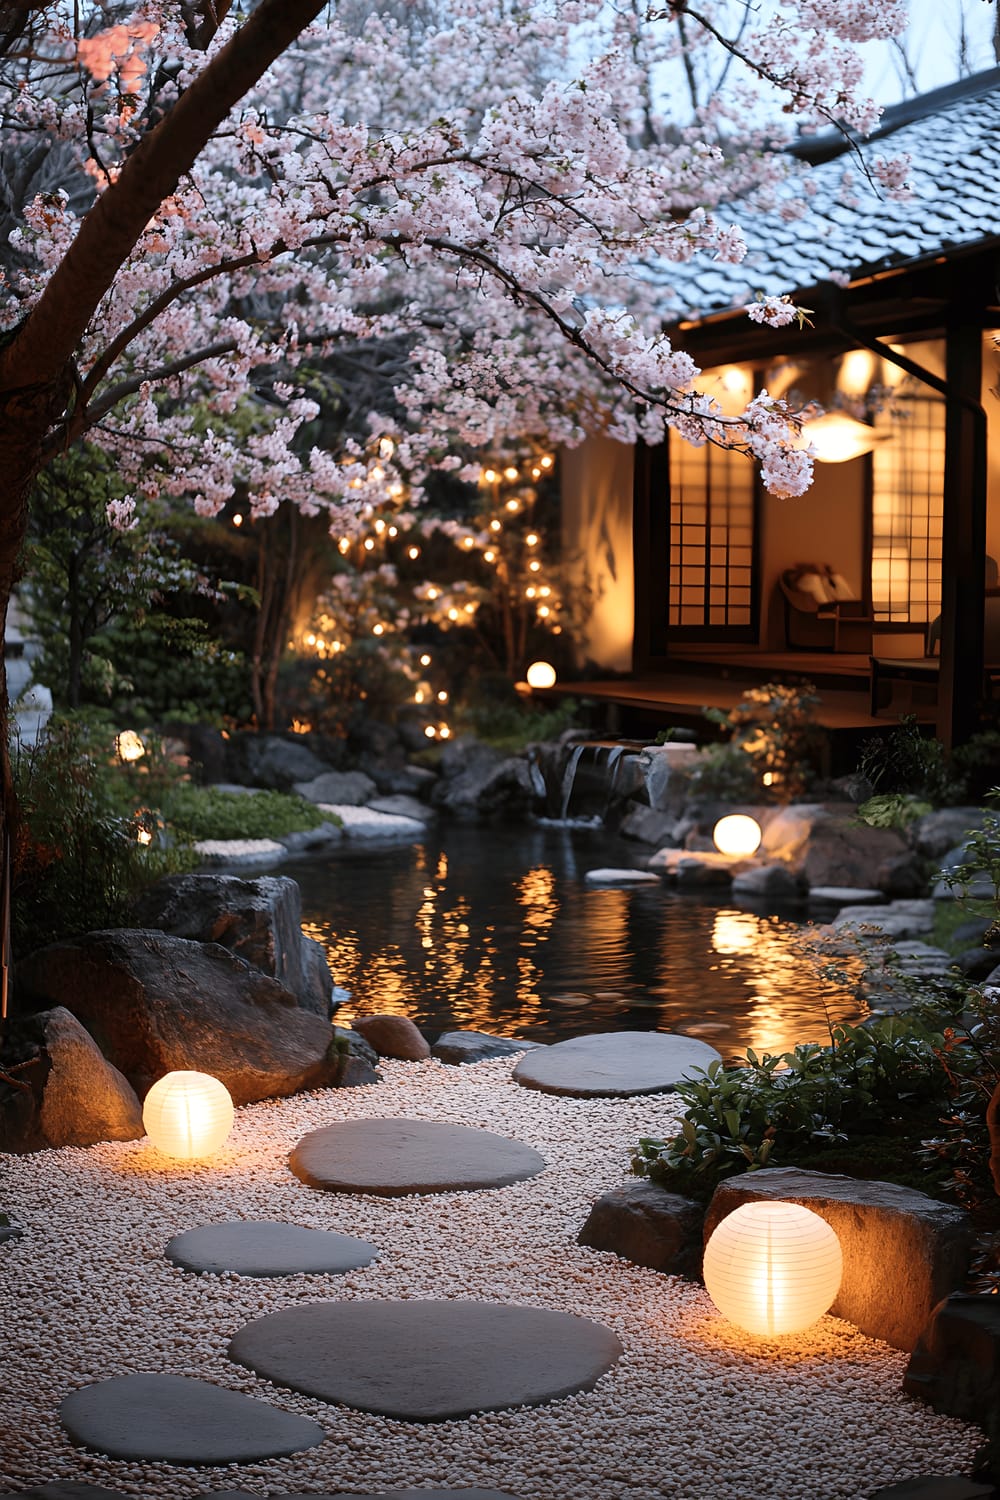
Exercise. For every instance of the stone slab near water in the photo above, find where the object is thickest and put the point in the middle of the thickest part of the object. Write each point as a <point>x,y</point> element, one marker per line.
<point>392,1158</point>
<point>614,1064</point>
<point>427,1361</point>
<point>180,1420</point>
<point>265,1247</point>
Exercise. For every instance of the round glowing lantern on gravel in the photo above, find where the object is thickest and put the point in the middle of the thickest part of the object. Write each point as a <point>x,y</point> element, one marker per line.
<point>736,834</point>
<point>188,1115</point>
<point>541,675</point>
<point>773,1268</point>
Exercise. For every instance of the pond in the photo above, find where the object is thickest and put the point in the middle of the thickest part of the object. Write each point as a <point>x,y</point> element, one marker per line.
<point>496,930</point>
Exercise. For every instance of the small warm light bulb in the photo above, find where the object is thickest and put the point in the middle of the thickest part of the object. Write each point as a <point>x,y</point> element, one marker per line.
<point>394,531</point>
<point>510,472</point>
<point>377,472</point>
<point>737,835</point>
<point>380,525</point>
<point>386,447</point>
<point>188,1115</point>
<point>546,462</point>
<point>369,544</point>
<point>467,542</point>
<point>534,566</point>
<point>237,520</point>
<point>430,731</point>
<point>543,611</point>
<point>344,544</point>
<point>444,732</point>
<point>541,674</point>
<point>489,555</point>
<point>536,473</point>
<point>513,505</point>
<point>130,745</point>
<point>433,593</point>
<point>544,591</point>
<point>453,614</point>
<point>496,525</point>
<point>143,836</point>
<point>310,639</point>
<point>442,696</point>
<point>425,660</point>
<point>530,592</point>
<point>419,695</point>
<point>490,475</point>
<point>470,608</point>
<point>378,629</point>
<point>413,553</point>
<point>531,540</point>
<point>395,490</point>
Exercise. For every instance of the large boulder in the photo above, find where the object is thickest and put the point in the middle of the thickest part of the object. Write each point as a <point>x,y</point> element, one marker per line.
<point>460,1047</point>
<point>841,850</point>
<point>273,761</point>
<point>648,826</point>
<point>343,788</point>
<point>258,919</point>
<point>74,1096</point>
<point>938,831</point>
<point>902,1251</point>
<point>478,783</point>
<point>955,1366</point>
<point>643,1223</point>
<point>154,1003</point>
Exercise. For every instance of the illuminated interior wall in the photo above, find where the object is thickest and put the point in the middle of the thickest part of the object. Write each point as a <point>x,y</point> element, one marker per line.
<point>597,545</point>
<point>991,404</point>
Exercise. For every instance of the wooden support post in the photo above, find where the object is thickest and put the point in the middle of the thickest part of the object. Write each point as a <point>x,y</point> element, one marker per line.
<point>963,548</point>
<point>651,552</point>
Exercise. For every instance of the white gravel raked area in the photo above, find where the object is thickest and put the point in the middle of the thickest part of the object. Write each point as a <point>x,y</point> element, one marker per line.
<point>693,1410</point>
<point>239,851</point>
<point>366,823</point>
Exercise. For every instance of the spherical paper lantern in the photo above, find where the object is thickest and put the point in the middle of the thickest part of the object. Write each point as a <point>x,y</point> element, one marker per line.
<point>773,1268</point>
<point>736,834</point>
<point>188,1115</point>
<point>541,675</point>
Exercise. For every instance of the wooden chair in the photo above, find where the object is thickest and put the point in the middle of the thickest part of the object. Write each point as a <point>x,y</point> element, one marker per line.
<point>821,611</point>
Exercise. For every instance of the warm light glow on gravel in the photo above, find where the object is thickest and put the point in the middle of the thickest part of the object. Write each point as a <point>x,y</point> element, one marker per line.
<point>694,1408</point>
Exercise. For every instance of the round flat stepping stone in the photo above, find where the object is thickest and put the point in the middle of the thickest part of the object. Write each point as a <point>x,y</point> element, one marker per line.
<point>183,1421</point>
<point>394,1157</point>
<point>264,1247</point>
<point>427,1361</point>
<point>614,1064</point>
<point>621,877</point>
<point>474,1494</point>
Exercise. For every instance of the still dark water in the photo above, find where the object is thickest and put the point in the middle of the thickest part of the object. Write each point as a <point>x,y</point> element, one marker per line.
<point>496,930</point>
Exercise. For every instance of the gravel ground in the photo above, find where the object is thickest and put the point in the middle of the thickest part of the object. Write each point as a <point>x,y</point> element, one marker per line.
<point>694,1409</point>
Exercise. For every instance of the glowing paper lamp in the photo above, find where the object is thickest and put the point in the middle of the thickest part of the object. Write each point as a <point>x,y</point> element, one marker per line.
<point>837,437</point>
<point>130,745</point>
<point>736,834</point>
<point>773,1268</point>
<point>541,675</point>
<point>188,1115</point>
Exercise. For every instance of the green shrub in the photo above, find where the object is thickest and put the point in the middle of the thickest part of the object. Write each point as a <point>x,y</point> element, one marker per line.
<point>893,810</point>
<point>772,1110</point>
<point>509,727</point>
<point>908,761</point>
<point>204,812</point>
<point>78,862</point>
<point>772,728</point>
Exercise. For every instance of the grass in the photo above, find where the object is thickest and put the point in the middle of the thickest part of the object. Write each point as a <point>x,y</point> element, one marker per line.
<point>204,812</point>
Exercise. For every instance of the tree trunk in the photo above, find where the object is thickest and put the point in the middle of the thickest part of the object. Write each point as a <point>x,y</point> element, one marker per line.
<point>993,1126</point>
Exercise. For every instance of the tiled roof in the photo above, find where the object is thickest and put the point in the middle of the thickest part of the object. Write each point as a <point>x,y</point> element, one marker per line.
<point>954,145</point>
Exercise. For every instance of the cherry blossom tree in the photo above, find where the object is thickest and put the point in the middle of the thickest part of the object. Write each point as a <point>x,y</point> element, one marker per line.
<point>204,204</point>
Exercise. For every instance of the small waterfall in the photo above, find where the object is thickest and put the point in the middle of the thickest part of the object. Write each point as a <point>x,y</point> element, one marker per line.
<point>595,773</point>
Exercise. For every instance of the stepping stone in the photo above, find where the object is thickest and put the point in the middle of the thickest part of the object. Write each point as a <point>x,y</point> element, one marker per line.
<point>622,877</point>
<point>394,1157</point>
<point>427,1361</point>
<point>845,895</point>
<point>363,823</point>
<point>183,1421</point>
<point>614,1064</point>
<point>262,1247</point>
<point>474,1494</point>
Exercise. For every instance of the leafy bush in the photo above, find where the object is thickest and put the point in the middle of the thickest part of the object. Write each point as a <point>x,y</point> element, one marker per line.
<point>80,854</point>
<point>982,846</point>
<point>204,812</point>
<point>772,1110</point>
<point>892,810</point>
<point>909,762</point>
<point>509,727</point>
<point>961,1143</point>
<point>772,728</point>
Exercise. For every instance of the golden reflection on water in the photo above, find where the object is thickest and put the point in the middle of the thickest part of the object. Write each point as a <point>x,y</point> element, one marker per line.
<point>480,944</point>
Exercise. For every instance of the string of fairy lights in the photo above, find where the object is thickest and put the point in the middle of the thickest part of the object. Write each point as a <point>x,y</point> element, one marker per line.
<point>376,595</point>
